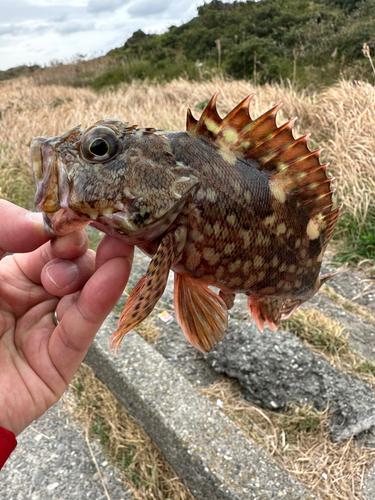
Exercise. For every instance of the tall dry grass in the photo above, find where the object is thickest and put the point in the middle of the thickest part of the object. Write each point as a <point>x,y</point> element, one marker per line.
<point>77,73</point>
<point>341,120</point>
<point>346,124</point>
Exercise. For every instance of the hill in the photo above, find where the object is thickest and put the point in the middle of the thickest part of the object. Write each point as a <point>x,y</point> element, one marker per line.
<point>309,43</point>
<point>267,40</point>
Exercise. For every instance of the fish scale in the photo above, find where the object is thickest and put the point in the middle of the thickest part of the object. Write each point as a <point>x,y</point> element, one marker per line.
<point>234,203</point>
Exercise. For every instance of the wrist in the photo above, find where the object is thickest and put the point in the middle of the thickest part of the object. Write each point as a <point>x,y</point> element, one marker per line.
<point>6,423</point>
<point>14,427</point>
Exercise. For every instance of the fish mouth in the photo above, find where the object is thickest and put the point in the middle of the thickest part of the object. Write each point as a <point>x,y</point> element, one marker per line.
<point>44,167</point>
<point>52,189</point>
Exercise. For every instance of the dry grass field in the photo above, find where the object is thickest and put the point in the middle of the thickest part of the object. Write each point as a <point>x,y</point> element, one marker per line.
<point>340,119</point>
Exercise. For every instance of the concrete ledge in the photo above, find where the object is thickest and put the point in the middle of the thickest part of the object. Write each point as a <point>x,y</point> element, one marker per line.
<point>206,449</point>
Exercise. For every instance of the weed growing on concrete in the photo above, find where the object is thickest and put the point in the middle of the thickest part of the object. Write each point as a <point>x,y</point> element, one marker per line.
<point>299,441</point>
<point>144,468</point>
<point>327,337</point>
<point>321,332</point>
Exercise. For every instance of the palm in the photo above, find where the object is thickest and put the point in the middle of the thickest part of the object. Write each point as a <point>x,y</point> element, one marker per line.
<point>37,359</point>
<point>25,364</point>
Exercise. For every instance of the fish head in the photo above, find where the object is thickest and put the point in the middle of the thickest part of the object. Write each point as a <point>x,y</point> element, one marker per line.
<point>77,177</point>
<point>122,180</point>
<point>69,171</point>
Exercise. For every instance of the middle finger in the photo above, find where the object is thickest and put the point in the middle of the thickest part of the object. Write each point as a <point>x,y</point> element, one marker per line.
<point>70,246</point>
<point>63,277</point>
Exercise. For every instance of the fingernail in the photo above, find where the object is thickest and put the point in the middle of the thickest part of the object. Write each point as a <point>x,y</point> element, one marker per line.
<point>37,219</point>
<point>35,216</point>
<point>81,239</point>
<point>62,273</point>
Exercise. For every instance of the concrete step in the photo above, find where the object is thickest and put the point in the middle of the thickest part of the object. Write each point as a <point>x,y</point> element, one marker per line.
<point>53,461</point>
<point>192,365</point>
<point>206,449</point>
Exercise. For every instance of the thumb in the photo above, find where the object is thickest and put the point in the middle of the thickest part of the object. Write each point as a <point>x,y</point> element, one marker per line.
<point>20,230</point>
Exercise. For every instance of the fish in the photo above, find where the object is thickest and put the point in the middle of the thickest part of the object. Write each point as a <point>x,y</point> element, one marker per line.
<point>234,204</point>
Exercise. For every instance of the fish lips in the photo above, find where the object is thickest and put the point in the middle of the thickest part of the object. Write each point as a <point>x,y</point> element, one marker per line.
<point>52,195</point>
<point>45,172</point>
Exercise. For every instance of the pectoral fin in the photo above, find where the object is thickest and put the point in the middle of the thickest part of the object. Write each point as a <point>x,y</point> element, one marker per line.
<point>150,287</point>
<point>201,313</point>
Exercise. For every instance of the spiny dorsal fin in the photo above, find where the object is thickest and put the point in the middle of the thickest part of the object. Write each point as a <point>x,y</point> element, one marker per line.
<point>191,122</point>
<point>238,117</point>
<point>209,123</point>
<point>291,167</point>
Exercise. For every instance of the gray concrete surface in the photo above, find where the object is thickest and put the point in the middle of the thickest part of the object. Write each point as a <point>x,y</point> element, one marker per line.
<point>356,286</point>
<point>275,369</point>
<point>208,452</point>
<point>52,462</point>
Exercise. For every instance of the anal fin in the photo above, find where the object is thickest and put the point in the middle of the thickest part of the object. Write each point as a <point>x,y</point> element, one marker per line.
<point>201,313</point>
<point>270,310</point>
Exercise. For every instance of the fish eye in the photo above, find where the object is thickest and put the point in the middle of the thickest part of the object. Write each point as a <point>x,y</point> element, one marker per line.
<point>99,144</point>
<point>99,147</point>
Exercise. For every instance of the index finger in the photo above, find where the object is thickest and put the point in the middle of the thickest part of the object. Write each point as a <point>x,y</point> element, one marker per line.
<point>20,230</point>
<point>76,330</point>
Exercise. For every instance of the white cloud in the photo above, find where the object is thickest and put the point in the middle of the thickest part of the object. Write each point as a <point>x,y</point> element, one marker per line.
<point>148,8</point>
<point>22,29</point>
<point>105,5</point>
<point>74,26</point>
<point>57,3</point>
<point>39,31</point>
<point>8,29</point>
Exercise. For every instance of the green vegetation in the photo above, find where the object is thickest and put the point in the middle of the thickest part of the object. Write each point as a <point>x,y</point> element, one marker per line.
<point>18,71</point>
<point>364,366</point>
<point>309,43</point>
<point>58,102</point>
<point>300,419</point>
<point>359,239</point>
<point>312,42</point>
<point>94,236</point>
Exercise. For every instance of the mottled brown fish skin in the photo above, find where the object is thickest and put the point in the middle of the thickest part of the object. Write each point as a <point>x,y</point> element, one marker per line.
<point>234,202</point>
<point>240,237</point>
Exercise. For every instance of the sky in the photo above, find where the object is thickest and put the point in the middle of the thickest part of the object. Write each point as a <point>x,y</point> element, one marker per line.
<point>43,31</point>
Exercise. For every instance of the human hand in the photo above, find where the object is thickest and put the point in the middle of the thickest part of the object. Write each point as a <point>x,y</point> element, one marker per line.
<point>37,358</point>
